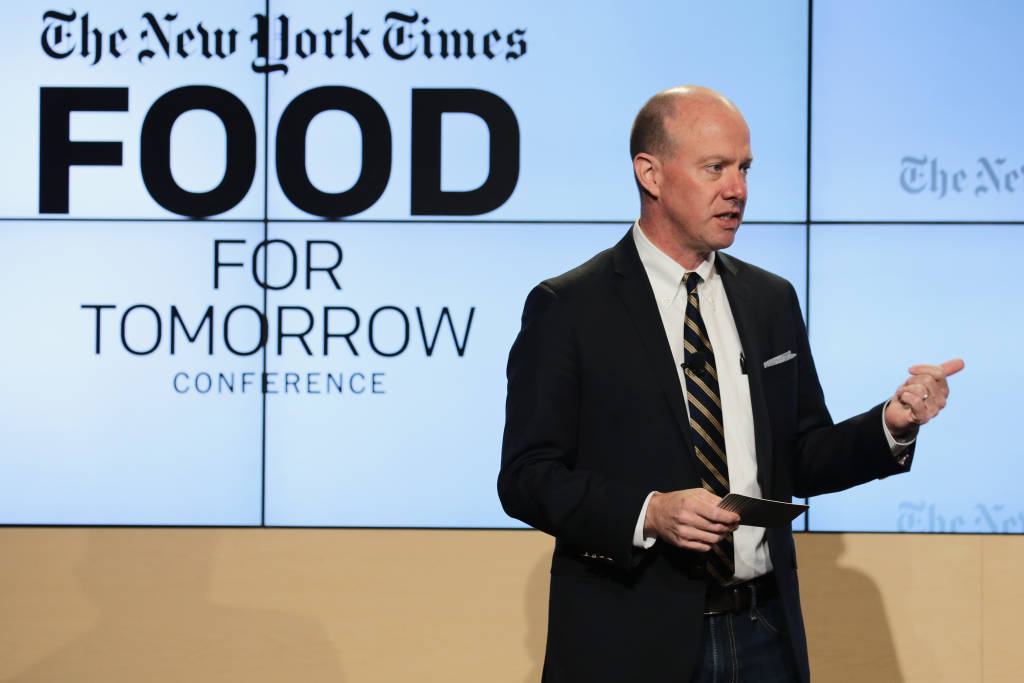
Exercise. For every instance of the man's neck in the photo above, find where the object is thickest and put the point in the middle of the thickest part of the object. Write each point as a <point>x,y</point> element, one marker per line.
<point>662,239</point>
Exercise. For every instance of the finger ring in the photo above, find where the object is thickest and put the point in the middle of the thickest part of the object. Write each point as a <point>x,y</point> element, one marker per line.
<point>925,397</point>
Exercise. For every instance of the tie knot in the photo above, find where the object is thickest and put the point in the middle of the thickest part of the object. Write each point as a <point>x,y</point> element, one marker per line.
<point>690,281</point>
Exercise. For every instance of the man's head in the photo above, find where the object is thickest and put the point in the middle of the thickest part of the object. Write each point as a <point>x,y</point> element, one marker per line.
<point>691,152</point>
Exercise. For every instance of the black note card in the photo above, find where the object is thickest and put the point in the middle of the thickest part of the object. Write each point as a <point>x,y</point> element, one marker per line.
<point>761,512</point>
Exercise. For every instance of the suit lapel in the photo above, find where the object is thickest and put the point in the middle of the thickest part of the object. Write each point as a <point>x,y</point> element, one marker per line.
<point>634,289</point>
<point>744,312</point>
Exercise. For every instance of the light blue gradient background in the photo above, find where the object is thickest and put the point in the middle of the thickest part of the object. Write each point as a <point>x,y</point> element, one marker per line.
<point>104,439</point>
<point>914,304</point>
<point>925,78</point>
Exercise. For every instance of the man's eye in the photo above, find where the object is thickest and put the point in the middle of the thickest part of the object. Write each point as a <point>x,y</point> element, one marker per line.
<point>716,168</point>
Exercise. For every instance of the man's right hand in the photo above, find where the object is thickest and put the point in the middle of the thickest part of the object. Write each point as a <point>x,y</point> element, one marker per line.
<point>690,519</point>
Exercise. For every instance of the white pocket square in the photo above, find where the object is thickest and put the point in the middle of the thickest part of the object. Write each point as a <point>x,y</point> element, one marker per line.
<point>781,358</point>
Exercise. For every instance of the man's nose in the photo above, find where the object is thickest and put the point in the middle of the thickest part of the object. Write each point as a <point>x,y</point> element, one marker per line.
<point>736,187</point>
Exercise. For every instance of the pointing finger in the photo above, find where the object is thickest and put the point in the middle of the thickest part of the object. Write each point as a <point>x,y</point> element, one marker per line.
<point>951,367</point>
<point>938,371</point>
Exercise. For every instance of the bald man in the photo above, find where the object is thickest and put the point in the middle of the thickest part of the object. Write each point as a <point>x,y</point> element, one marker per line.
<point>651,380</point>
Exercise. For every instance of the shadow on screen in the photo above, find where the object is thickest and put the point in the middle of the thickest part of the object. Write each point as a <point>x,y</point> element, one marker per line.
<point>848,633</point>
<point>156,620</point>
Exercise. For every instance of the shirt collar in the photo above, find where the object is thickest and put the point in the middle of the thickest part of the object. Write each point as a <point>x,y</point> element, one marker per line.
<point>665,274</point>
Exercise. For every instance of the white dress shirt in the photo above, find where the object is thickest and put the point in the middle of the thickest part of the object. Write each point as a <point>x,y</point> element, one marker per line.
<point>666,276</point>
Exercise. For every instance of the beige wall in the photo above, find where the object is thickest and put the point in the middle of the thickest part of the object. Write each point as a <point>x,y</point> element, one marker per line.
<point>382,605</point>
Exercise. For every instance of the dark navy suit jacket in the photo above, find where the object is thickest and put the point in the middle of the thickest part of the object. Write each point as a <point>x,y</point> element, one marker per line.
<point>596,420</point>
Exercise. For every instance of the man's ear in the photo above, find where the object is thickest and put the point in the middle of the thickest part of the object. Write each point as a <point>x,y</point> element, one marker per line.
<point>648,173</point>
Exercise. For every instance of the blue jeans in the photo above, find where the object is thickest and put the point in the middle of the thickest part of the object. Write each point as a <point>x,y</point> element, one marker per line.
<point>749,646</point>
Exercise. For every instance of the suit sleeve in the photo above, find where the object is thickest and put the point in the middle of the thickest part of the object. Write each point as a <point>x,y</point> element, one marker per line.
<point>541,482</point>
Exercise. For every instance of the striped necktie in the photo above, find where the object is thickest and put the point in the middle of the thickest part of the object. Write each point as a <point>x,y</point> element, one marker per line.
<point>705,408</point>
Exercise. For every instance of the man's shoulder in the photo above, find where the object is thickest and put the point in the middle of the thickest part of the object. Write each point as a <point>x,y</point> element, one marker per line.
<point>595,272</point>
<point>591,272</point>
<point>754,276</point>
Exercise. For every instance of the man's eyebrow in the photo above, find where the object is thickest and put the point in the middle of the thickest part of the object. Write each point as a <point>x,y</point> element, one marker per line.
<point>724,159</point>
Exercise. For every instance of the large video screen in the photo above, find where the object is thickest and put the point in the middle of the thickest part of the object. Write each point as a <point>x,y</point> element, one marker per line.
<point>264,261</point>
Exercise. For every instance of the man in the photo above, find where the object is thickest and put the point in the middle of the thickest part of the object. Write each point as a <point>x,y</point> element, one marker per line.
<point>645,384</point>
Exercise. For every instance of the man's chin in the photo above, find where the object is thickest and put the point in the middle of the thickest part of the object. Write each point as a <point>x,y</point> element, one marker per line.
<point>726,237</point>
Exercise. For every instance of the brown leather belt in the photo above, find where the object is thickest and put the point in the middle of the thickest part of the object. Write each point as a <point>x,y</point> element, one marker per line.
<point>739,596</point>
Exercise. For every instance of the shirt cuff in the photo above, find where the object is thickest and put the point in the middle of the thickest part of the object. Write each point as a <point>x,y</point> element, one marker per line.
<point>639,540</point>
<point>898,448</point>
